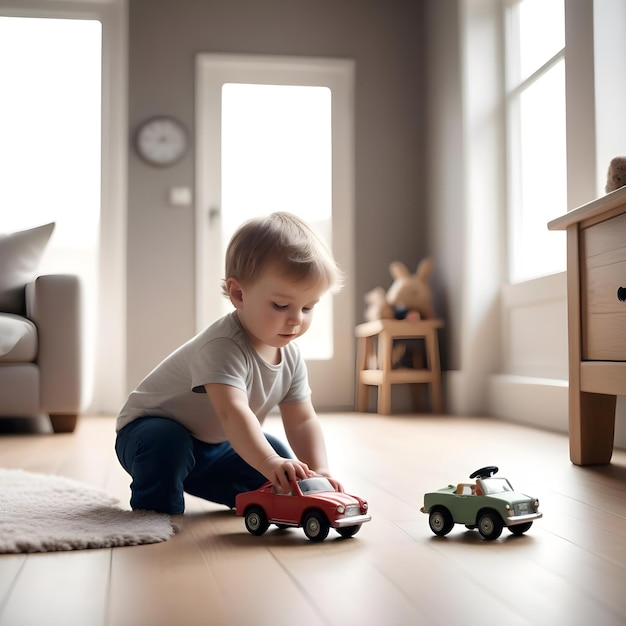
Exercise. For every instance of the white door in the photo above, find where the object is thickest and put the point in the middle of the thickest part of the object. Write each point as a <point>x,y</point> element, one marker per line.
<point>275,134</point>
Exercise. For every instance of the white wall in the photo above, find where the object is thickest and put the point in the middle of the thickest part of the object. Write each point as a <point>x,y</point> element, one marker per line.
<point>531,384</point>
<point>386,42</point>
<point>466,190</point>
<point>609,34</point>
<point>509,358</point>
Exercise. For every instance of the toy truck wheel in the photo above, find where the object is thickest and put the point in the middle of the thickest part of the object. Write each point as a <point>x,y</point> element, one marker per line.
<point>349,531</point>
<point>316,526</point>
<point>520,529</point>
<point>440,521</point>
<point>256,521</point>
<point>490,525</point>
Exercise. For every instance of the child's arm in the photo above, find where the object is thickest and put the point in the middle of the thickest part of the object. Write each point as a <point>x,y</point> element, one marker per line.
<point>306,438</point>
<point>246,436</point>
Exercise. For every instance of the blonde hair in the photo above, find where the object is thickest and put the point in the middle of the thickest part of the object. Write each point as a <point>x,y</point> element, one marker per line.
<point>286,242</point>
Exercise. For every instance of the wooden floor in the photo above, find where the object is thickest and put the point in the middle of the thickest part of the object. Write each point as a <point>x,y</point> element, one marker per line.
<point>570,568</point>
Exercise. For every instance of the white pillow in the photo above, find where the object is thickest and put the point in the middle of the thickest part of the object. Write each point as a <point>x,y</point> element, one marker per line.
<point>20,254</point>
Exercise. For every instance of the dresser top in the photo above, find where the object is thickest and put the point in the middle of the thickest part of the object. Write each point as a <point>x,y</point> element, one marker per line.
<point>591,210</point>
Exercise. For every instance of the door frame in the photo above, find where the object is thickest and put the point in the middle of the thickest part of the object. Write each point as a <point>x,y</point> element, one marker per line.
<point>213,70</point>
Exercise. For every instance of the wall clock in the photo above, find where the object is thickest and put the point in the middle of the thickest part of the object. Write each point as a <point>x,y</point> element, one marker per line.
<point>161,140</point>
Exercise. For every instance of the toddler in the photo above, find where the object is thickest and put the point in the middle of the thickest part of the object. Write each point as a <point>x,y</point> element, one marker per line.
<point>194,424</point>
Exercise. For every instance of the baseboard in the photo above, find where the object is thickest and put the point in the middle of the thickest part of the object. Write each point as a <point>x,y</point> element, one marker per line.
<point>540,402</point>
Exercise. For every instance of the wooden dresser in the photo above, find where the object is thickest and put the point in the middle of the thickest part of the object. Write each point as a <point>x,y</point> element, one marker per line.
<point>596,304</point>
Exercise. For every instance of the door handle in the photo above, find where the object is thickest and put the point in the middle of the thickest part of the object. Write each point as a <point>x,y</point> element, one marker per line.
<point>214,214</point>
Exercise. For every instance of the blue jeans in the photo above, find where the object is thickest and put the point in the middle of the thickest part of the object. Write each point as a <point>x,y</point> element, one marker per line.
<point>165,461</point>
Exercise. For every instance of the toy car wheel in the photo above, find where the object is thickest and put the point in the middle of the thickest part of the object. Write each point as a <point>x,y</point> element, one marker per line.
<point>256,520</point>
<point>349,531</point>
<point>316,526</point>
<point>520,529</point>
<point>490,525</point>
<point>440,521</point>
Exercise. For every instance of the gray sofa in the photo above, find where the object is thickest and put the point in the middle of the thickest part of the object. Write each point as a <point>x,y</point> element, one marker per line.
<point>40,339</point>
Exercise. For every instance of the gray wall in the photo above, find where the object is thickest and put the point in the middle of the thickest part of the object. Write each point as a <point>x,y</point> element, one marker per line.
<point>445,183</point>
<point>386,38</point>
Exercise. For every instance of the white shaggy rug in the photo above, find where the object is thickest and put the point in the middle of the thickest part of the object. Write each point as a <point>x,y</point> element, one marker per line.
<point>44,513</point>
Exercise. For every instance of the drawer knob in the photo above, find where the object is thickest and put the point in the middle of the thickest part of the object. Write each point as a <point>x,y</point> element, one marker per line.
<point>621,294</point>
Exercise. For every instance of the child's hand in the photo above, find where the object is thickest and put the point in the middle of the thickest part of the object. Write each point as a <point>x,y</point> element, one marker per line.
<point>337,486</point>
<point>282,471</point>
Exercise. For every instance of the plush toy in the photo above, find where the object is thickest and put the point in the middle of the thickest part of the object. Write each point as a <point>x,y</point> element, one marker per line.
<point>616,176</point>
<point>376,307</point>
<point>410,294</point>
<point>409,297</point>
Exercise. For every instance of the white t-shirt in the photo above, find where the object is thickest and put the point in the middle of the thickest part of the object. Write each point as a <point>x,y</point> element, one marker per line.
<point>222,354</point>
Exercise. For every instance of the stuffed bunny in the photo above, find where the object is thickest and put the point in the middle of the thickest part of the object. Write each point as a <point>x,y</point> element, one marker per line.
<point>409,297</point>
<point>410,294</point>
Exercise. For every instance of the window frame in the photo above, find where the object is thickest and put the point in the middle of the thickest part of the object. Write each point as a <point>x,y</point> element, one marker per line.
<point>514,88</point>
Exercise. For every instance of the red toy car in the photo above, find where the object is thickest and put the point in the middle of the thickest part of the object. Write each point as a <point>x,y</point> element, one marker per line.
<point>312,504</point>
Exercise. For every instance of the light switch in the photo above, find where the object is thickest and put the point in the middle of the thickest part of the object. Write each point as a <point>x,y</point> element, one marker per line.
<point>180,196</point>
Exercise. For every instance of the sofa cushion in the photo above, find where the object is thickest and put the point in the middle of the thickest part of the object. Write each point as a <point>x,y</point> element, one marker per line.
<point>20,254</point>
<point>19,390</point>
<point>18,339</point>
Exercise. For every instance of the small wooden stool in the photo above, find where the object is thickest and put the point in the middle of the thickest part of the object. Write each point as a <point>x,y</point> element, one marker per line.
<point>385,332</point>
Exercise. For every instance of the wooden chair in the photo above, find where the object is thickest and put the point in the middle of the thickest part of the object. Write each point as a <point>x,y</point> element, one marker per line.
<point>375,342</point>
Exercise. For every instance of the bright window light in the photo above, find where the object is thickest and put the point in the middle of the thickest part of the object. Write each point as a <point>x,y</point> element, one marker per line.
<point>50,129</point>
<point>541,33</point>
<point>536,137</point>
<point>276,156</point>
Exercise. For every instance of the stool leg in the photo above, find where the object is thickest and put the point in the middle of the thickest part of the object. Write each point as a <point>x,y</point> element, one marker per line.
<point>432,348</point>
<point>385,347</point>
<point>363,348</point>
<point>419,361</point>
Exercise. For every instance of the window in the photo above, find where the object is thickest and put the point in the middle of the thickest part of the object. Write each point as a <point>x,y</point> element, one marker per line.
<point>50,155</point>
<point>535,83</point>
<point>50,125</point>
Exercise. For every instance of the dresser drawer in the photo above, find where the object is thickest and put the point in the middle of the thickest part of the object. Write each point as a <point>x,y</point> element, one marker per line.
<point>603,273</point>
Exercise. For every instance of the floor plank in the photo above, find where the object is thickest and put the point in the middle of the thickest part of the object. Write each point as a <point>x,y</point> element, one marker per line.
<point>68,588</point>
<point>164,584</point>
<point>569,567</point>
